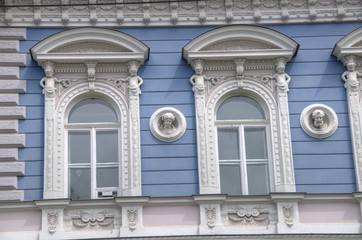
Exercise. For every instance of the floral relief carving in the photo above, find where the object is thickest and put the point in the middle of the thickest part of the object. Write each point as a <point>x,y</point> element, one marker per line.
<point>249,215</point>
<point>52,218</point>
<point>92,219</point>
<point>194,12</point>
<point>288,213</point>
<point>210,214</point>
<point>132,215</point>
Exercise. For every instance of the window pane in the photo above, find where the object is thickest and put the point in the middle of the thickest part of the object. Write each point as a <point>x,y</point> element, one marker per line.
<point>92,110</point>
<point>255,143</point>
<point>258,179</point>
<point>80,183</point>
<point>107,177</point>
<point>107,146</point>
<point>240,107</point>
<point>228,140</point>
<point>79,147</point>
<point>230,179</point>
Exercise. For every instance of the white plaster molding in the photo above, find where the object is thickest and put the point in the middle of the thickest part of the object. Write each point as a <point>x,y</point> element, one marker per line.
<point>351,44</point>
<point>349,51</point>
<point>128,47</point>
<point>12,168</point>
<point>12,195</point>
<point>9,99</point>
<point>316,130</point>
<point>8,183</point>
<point>9,72</point>
<point>168,124</point>
<point>228,43</point>
<point>9,46</point>
<point>8,154</point>
<point>147,13</point>
<point>12,86</point>
<point>98,69</point>
<point>12,140</point>
<point>12,112</point>
<point>266,217</point>
<point>12,33</point>
<point>9,126</point>
<point>10,59</point>
<point>236,72</point>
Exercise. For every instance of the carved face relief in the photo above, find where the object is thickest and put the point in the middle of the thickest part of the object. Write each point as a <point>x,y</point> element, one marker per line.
<point>319,121</point>
<point>168,124</point>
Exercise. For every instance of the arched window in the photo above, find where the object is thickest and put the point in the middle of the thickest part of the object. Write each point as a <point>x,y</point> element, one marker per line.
<point>92,146</point>
<point>241,108</point>
<point>93,149</point>
<point>242,146</point>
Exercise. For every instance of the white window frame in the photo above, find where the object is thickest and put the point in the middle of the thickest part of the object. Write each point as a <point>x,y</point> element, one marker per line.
<point>90,62</point>
<point>349,51</point>
<point>92,128</point>
<point>240,124</point>
<point>226,69</point>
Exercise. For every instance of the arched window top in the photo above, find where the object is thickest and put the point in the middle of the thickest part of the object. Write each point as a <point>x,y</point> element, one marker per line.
<point>92,110</point>
<point>240,107</point>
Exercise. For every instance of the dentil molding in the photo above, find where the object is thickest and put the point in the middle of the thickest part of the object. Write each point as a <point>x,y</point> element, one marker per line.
<point>171,13</point>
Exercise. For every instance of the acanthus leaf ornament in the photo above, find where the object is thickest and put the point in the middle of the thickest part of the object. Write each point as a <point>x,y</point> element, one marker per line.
<point>210,214</point>
<point>52,218</point>
<point>288,213</point>
<point>132,215</point>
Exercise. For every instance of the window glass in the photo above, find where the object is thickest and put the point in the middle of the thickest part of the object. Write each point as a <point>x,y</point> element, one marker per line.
<point>255,143</point>
<point>92,110</point>
<point>230,179</point>
<point>107,146</point>
<point>258,179</point>
<point>79,147</point>
<point>228,139</point>
<point>240,107</point>
<point>107,177</point>
<point>80,187</point>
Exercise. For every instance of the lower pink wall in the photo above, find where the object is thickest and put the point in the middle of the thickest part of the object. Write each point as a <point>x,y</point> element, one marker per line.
<point>171,216</point>
<point>20,221</point>
<point>329,213</point>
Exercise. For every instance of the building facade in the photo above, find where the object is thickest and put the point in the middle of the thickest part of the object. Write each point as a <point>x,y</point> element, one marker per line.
<point>181,119</point>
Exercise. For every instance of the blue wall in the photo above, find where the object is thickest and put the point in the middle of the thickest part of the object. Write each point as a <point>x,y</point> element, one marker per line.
<point>170,169</point>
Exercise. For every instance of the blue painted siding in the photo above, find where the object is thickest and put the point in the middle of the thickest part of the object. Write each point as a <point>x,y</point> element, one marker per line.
<point>170,169</point>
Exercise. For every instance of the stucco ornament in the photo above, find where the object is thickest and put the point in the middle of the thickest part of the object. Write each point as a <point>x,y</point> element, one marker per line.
<point>168,124</point>
<point>319,121</point>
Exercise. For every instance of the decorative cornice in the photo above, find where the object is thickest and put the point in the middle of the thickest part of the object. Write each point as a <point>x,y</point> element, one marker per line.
<point>57,13</point>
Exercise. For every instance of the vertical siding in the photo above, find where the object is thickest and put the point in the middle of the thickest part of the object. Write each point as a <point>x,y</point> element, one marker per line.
<point>170,169</point>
